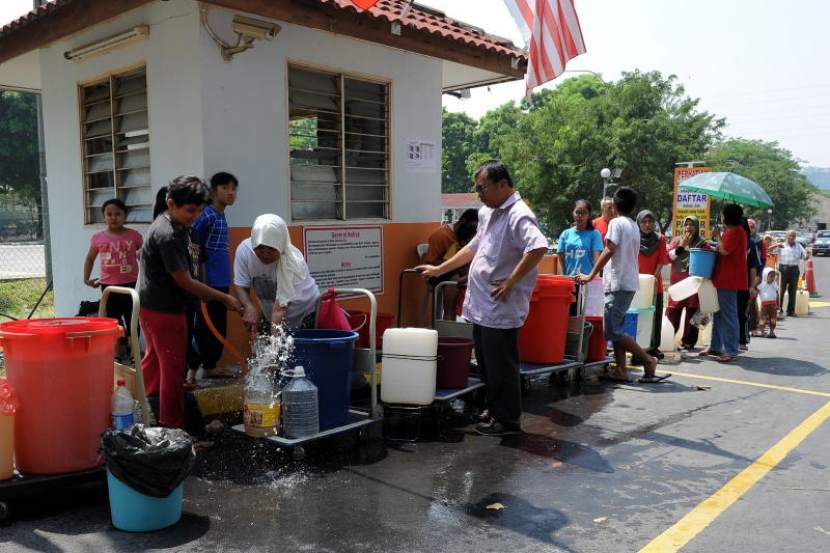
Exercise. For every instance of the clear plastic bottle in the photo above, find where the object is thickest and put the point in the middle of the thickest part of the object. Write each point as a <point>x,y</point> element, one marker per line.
<point>300,416</point>
<point>262,404</point>
<point>123,407</point>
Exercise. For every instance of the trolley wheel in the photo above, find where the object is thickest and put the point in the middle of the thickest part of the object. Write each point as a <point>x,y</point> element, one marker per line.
<point>5,510</point>
<point>525,385</point>
<point>298,453</point>
<point>361,435</point>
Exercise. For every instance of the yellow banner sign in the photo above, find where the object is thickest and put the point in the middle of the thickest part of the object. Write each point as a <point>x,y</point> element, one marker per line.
<point>688,203</point>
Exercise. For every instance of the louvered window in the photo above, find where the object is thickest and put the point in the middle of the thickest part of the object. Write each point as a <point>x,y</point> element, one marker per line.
<point>116,146</point>
<point>339,146</point>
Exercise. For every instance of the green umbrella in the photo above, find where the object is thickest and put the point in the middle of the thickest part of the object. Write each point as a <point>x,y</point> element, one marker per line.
<point>730,187</point>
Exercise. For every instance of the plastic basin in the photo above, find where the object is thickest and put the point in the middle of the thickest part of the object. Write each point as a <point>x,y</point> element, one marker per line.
<point>702,262</point>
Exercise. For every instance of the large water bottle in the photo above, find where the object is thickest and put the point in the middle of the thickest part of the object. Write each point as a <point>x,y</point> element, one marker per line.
<point>123,406</point>
<point>300,417</point>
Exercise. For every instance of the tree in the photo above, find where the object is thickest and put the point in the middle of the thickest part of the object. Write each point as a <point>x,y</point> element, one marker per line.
<point>775,170</point>
<point>19,165</point>
<point>643,124</point>
<point>458,144</point>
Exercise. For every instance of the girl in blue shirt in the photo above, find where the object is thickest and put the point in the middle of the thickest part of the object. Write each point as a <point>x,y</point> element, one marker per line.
<point>579,246</point>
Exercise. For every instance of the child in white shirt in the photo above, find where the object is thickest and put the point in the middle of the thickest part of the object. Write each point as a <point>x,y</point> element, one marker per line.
<point>768,292</point>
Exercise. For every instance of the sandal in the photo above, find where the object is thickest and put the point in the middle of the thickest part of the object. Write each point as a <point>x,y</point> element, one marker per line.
<point>653,379</point>
<point>726,358</point>
<point>709,351</point>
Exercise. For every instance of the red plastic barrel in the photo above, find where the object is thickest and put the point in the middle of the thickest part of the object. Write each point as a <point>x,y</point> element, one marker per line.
<point>454,356</point>
<point>542,339</point>
<point>61,370</point>
<point>597,346</point>
<point>359,321</point>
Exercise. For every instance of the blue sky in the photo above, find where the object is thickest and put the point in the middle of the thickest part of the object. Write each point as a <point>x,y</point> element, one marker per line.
<point>762,64</point>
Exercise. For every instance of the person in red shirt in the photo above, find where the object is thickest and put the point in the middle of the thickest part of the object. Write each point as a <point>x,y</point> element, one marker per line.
<point>730,275</point>
<point>601,222</point>
<point>653,256</point>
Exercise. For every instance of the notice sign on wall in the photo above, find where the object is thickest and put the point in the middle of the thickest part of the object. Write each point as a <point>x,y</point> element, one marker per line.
<point>421,156</point>
<point>345,257</point>
<point>688,203</point>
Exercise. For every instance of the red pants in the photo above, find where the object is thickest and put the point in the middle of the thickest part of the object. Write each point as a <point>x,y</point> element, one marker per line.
<point>165,335</point>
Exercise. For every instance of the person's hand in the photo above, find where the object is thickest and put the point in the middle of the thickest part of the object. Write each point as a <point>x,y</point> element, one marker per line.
<point>753,293</point>
<point>250,318</point>
<point>428,271</point>
<point>686,239</point>
<point>92,282</point>
<point>233,304</point>
<point>502,289</point>
<point>583,279</point>
<point>716,233</point>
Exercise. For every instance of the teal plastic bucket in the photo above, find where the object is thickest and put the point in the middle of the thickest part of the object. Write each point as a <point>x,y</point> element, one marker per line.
<point>702,262</point>
<point>136,512</point>
<point>327,357</point>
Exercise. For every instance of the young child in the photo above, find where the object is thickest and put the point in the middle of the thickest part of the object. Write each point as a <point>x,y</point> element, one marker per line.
<point>168,263</point>
<point>621,281</point>
<point>118,247</point>
<point>768,292</point>
<point>213,230</point>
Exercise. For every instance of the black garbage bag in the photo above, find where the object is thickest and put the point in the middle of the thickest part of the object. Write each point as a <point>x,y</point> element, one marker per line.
<point>150,460</point>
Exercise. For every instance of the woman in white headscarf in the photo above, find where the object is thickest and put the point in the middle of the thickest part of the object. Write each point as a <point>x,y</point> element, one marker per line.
<point>276,270</point>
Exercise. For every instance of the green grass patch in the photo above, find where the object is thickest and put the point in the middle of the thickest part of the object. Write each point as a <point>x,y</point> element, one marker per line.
<point>17,297</point>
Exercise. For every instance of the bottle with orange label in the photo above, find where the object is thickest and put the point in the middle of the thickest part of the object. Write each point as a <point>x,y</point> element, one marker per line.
<point>262,402</point>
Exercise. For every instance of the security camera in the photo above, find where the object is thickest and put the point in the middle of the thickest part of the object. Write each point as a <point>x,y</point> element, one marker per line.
<point>248,28</point>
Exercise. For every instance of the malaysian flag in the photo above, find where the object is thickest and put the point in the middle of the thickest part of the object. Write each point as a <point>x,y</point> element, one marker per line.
<point>550,29</point>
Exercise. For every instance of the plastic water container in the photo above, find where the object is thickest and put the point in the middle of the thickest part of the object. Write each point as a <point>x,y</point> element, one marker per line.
<point>542,338</point>
<point>667,336</point>
<point>409,366</point>
<point>135,512</point>
<point>707,295</point>
<point>328,359</point>
<point>802,303</point>
<point>62,373</point>
<point>299,406</point>
<point>595,299</point>
<point>645,326</point>
<point>686,288</point>
<point>6,446</point>
<point>645,295</point>
<point>123,406</point>
<point>597,346</point>
<point>453,369</point>
<point>704,337</point>
<point>261,409</point>
<point>702,262</point>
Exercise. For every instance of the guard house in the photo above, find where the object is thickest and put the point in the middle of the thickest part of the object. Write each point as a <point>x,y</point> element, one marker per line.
<point>329,116</point>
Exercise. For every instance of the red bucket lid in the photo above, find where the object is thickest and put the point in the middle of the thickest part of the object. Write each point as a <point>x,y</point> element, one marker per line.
<point>561,285</point>
<point>57,327</point>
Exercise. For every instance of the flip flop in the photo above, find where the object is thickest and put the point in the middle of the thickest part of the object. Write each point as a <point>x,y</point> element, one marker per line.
<point>726,358</point>
<point>653,379</point>
<point>612,379</point>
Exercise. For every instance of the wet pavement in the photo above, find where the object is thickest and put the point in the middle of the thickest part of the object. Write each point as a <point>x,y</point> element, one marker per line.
<point>601,467</point>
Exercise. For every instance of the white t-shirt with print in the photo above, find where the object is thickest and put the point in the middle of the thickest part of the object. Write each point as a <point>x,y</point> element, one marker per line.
<point>250,272</point>
<point>621,272</point>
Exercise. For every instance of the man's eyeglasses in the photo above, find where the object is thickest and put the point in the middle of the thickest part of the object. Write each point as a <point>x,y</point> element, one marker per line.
<point>479,188</point>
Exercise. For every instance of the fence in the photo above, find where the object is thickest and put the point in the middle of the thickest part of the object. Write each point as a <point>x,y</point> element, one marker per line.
<point>22,250</point>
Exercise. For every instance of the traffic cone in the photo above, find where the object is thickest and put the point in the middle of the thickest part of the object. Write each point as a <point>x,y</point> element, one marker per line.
<point>810,279</point>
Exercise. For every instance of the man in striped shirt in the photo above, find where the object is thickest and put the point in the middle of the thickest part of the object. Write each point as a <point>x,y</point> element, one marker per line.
<point>789,254</point>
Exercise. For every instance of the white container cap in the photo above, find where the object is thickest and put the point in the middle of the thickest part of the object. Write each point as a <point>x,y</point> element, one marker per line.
<point>299,371</point>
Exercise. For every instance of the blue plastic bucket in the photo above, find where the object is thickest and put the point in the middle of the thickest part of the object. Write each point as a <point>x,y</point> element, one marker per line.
<point>327,357</point>
<point>631,317</point>
<point>702,262</point>
<point>136,512</point>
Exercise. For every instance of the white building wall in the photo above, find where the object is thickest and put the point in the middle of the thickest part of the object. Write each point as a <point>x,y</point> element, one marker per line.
<point>175,118</point>
<point>207,115</point>
<point>246,114</point>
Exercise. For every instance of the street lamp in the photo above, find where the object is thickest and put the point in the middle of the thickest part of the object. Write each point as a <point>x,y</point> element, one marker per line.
<point>605,174</point>
<point>769,221</point>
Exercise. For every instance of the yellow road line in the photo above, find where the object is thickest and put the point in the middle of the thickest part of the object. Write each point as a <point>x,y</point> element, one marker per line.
<point>814,304</point>
<point>705,513</point>
<point>746,383</point>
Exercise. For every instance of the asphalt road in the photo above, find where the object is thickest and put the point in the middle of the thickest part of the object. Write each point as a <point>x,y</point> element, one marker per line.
<point>21,261</point>
<point>720,458</point>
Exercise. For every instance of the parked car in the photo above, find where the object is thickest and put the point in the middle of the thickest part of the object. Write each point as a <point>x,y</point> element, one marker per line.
<point>781,235</point>
<point>822,244</point>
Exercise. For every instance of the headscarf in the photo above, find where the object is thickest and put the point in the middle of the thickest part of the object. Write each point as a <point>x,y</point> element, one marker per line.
<point>270,230</point>
<point>648,241</point>
<point>754,238</point>
<point>681,263</point>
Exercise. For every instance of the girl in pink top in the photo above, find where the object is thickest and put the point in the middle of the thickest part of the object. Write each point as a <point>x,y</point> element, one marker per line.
<point>118,247</point>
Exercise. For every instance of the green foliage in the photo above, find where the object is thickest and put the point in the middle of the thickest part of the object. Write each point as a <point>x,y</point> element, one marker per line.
<point>19,166</point>
<point>775,170</point>
<point>459,143</point>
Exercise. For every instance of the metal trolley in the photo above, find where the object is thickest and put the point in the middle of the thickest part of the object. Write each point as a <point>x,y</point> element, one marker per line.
<point>365,363</point>
<point>21,485</point>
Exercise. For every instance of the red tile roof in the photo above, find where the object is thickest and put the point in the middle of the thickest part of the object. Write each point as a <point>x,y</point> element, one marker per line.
<point>458,201</point>
<point>419,17</point>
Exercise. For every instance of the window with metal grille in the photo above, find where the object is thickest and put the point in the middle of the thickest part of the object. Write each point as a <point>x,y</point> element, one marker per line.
<point>116,146</point>
<point>339,146</point>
